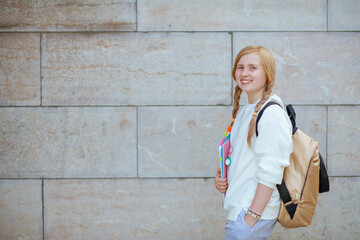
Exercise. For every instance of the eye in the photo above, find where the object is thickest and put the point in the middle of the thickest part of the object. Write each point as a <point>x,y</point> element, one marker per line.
<point>240,67</point>
<point>253,68</point>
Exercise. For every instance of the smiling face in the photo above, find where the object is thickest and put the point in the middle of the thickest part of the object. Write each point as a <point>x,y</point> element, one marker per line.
<point>250,76</point>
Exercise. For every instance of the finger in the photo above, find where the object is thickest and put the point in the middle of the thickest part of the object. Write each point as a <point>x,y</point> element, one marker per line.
<point>222,180</point>
<point>222,190</point>
<point>221,183</point>
<point>218,173</point>
<point>221,186</point>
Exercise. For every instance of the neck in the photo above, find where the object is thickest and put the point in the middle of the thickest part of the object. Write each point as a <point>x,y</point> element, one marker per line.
<point>253,99</point>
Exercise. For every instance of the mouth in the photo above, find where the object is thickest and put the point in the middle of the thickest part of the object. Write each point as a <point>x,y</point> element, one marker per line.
<point>245,81</point>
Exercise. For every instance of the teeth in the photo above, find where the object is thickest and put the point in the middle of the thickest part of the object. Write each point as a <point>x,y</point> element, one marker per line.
<point>245,81</point>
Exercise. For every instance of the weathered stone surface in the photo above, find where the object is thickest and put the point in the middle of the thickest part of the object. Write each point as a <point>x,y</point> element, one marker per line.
<point>19,69</point>
<point>67,142</point>
<point>75,15</point>
<point>336,215</point>
<point>136,68</point>
<point>312,68</point>
<point>21,209</point>
<point>133,209</point>
<point>180,141</point>
<point>230,15</point>
<point>344,15</point>
<point>344,141</point>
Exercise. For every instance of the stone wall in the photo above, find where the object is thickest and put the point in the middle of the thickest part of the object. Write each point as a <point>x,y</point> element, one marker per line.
<point>111,112</point>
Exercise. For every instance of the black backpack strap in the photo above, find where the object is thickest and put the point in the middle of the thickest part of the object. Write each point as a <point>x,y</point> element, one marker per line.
<point>292,115</point>
<point>261,113</point>
<point>324,185</point>
<point>285,197</point>
<point>290,111</point>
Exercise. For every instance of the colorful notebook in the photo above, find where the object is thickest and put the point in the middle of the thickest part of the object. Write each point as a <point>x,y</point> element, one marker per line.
<point>224,148</point>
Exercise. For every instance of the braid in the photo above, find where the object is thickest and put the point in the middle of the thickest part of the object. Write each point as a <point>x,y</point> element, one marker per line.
<point>237,94</point>
<point>266,95</point>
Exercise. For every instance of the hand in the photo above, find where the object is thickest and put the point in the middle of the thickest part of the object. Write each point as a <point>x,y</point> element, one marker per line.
<point>249,220</point>
<point>221,184</point>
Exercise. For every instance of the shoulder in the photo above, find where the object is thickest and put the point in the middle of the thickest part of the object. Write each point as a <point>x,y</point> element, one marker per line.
<point>274,112</point>
<point>274,121</point>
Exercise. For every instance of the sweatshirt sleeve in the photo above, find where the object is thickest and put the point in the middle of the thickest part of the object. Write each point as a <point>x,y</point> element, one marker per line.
<point>273,146</point>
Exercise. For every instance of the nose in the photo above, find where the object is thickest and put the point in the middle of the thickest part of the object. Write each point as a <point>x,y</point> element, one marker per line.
<point>244,73</point>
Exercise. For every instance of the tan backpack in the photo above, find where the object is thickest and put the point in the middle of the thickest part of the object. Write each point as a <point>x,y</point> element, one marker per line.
<point>303,179</point>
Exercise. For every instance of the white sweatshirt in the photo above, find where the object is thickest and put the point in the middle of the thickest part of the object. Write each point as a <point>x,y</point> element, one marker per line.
<point>264,163</point>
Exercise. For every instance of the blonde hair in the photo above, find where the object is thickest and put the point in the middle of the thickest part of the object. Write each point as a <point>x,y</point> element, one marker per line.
<point>269,65</point>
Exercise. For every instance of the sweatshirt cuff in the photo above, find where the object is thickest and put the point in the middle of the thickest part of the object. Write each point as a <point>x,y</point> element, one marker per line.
<point>268,184</point>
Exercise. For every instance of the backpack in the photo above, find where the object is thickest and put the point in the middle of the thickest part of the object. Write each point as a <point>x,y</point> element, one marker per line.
<point>303,179</point>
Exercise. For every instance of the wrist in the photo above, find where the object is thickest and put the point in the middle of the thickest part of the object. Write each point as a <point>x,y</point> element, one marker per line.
<point>252,210</point>
<point>249,220</point>
<point>253,214</point>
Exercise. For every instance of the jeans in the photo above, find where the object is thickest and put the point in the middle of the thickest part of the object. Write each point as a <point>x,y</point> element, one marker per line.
<point>240,230</point>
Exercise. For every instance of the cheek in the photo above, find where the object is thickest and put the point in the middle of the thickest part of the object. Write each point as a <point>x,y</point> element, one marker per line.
<point>261,78</point>
<point>237,74</point>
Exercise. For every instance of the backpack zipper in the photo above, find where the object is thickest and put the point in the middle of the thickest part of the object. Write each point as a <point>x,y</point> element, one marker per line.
<point>302,190</point>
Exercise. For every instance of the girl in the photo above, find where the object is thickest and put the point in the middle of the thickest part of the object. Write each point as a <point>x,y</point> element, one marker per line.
<point>257,163</point>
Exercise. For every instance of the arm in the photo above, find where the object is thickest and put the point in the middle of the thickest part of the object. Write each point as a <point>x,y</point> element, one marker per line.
<point>273,148</point>
<point>261,199</point>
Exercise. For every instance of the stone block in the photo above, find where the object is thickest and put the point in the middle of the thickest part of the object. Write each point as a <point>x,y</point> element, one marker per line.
<point>181,141</point>
<point>19,69</point>
<point>312,120</point>
<point>336,214</point>
<point>312,68</point>
<point>21,209</point>
<point>75,15</point>
<point>218,15</point>
<point>133,209</point>
<point>136,69</point>
<point>344,15</point>
<point>344,140</point>
<point>68,142</point>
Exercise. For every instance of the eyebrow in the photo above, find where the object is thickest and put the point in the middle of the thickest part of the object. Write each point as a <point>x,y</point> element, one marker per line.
<point>251,64</point>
